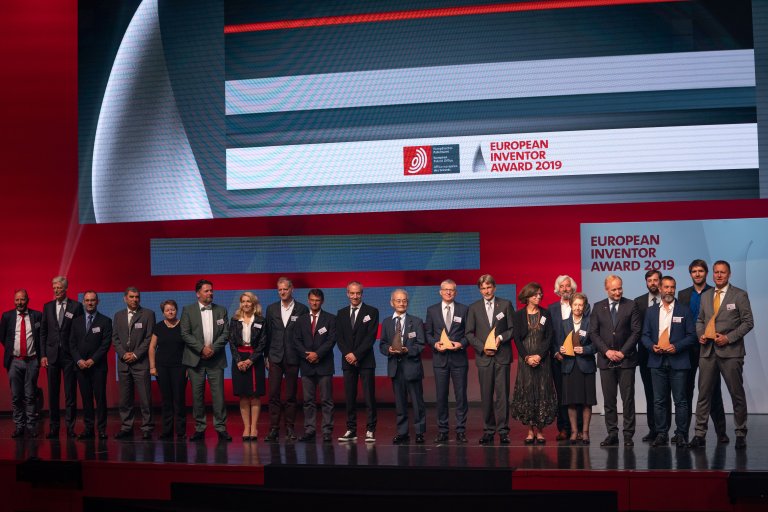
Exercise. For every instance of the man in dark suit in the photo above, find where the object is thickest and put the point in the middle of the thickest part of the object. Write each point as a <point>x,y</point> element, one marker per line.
<point>487,314</point>
<point>58,316</point>
<point>20,331</point>
<point>89,341</point>
<point>725,317</point>
<point>356,329</point>
<point>449,360</point>
<point>402,340</point>
<point>205,329</point>
<point>131,333</point>
<point>644,302</point>
<point>615,328</point>
<point>691,297</point>
<point>282,359</point>
<point>315,338</point>
<point>668,333</point>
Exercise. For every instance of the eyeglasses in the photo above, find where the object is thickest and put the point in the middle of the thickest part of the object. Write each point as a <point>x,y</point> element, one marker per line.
<point>451,290</point>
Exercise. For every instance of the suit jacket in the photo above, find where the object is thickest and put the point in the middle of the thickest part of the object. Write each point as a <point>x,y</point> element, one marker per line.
<point>134,338</point>
<point>321,342</point>
<point>93,344</point>
<point>585,361</point>
<point>413,340</point>
<point>8,333</point>
<point>192,334</point>
<point>54,338</point>
<point>520,325</point>
<point>623,337</point>
<point>642,304</point>
<point>682,334</point>
<point>280,338</point>
<point>358,339</point>
<point>734,319</point>
<point>557,323</point>
<point>477,330</point>
<point>433,328</point>
<point>258,339</point>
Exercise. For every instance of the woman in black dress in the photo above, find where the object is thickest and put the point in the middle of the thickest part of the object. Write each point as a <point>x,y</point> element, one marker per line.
<point>165,352</point>
<point>534,401</point>
<point>247,339</point>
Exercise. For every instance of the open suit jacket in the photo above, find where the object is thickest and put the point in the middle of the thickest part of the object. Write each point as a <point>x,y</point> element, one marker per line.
<point>280,338</point>
<point>192,334</point>
<point>52,337</point>
<point>258,339</point>
<point>434,328</point>
<point>93,344</point>
<point>477,330</point>
<point>682,335</point>
<point>624,336</point>
<point>8,333</point>
<point>413,340</point>
<point>734,319</point>
<point>321,342</point>
<point>585,361</point>
<point>358,339</point>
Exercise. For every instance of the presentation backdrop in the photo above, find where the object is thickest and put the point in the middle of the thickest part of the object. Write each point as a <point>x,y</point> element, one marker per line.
<point>630,249</point>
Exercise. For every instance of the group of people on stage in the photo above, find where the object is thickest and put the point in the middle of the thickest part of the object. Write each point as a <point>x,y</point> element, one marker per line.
<point>669,337</point>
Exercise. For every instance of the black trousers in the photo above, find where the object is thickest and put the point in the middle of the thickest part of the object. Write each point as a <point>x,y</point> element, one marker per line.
<point>93,388</point>
<point>276,407</point>
<point>64,367</point>
<point>173,389</point>
<point>351,376</point>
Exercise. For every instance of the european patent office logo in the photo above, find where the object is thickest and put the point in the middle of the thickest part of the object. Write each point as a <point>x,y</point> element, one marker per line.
<point>417,160</point>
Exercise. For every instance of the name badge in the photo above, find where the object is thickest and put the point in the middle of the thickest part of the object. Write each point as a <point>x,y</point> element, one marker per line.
<point>677,319</point>
<point>543,320</point>
<point>258,326</point>
<point>96,330</point>
<point>322,330</point>
<point>293,318</point>
<point>730,307</point>
<point>499,316</point>
<point>582,333</point>
<point>411,335</point>
<point>138,325</point>
<point>367,318</point>
<point>220,321</point>
<point>68,315</point>
<point>457,319</point>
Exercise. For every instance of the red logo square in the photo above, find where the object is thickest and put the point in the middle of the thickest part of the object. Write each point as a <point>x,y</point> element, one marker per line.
<point>417,160</point>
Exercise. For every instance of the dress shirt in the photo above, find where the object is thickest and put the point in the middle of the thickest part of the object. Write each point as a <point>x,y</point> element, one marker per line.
<point>652,299</point>
<point>285,312</point>
<point>665,317</point>
<point>449,314</point>
<point>246,331</point>
<point>565,310</point>
<point>207,315</point>
<point>402,324</point>
<point>30,338</point>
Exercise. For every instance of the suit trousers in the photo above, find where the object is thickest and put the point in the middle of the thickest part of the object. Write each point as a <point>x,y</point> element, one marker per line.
<point>23,379</point>
<point>666,379</point>
<point>172,381</point>
<point>710,370</point>
<point>215,376</point>
<point>138,378</point>
<point>613,381</point>
<point>650,397</point>
<point>63,367</point>
<point>443,376</point>
<point>494,397</point>
<point>310,385</point>
<point>351,376</point>
<point>93,387</point>
<point>716,409</point>
<point>276,406</point>
<point>402,388</point>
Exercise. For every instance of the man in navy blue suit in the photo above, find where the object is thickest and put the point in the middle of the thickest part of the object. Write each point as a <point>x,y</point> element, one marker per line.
<point>449,359</point>
<point>669,332</point>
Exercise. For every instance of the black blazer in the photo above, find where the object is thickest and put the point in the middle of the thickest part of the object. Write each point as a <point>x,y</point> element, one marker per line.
<point>54,338</point>
<point>360,339</point>
<point>413,340</point>
<point>557,323</point>
<point>477,330</point>
<point>8,333</point>
<point>321,342</point>
<point>93,344</point>
<point>280,344</point>
<point>258,339</point>
<point>520,323</point>
<point>586,361</point>
<point>433,328</point>
<point>623,337</point>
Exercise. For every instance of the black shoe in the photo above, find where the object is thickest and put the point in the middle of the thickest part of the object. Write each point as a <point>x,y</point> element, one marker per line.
<point>309,436</point>
<point>327,438</point>
<point>697,442</point>
<point>419,438</point>
<point>442,437</point>
<point>628,442</point>
<point>676,439</point>
<point>723,439</point>
<point>146,436</point>
<point>650,437</point>
<point>661,440</point>
<point>103,435</point>
<point>610,441</point>
<point>71,433</point>
<point>741,443</point>
<point>486,439</point>
<point>19,432</point>
<point>224,435</point>
<point>199,435</point>
<point>401,438</point>
<point>290,435</point>
<point>124,434</point>
<point>86,434</point>
<point>504,438</point>
<point>461,437</point>
<point>273,436</point>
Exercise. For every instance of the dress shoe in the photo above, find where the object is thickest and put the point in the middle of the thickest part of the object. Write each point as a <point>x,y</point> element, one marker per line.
<point>290,435</point>
<point>442,437</point>
<point>741,443</point>
<point>53,434</point>
<point>649,437</point>
<point>401,438</point>
<point>123,434</point>
<point>461,437</point>
<point>86,434</point>
<point>19,432</point>
<point>628,442</point>
<point>486,439</point>
<point>327,438</point>
<point>697,442</point>
<point>723,439</point>
<point>273,436</point>
<point>419,438</point>
<point>103,435</point>
<point>199,435</point>
<point>504,438</point>
<point>561,435</point>
<point>610,441</point>
<point>661,440</point>
<point>146,436</point>
<point>676,439</point>
<point>309,436</point>
<point>224,435</point>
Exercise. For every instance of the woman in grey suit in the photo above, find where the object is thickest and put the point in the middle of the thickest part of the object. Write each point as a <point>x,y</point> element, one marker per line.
<point>579,388</point>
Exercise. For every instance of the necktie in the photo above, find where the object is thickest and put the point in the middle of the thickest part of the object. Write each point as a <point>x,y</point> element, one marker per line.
<point>314,323</point>
<point>397,339</point>
<point>717,300</point>
<point>613,313</point>
<point>448,318</point>
<point>88,323</point>
<point>655,301</point>
<point>489,311</point>
<point>62,307</point>
<point>353,317</point>
<point>23,336</point>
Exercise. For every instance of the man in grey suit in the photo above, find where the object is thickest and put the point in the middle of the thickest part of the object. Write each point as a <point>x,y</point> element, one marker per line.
<point>204,329</point>
<point>486,314</point>
<point>725,317</point>
<point>131,332</point>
